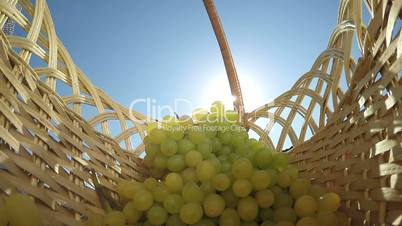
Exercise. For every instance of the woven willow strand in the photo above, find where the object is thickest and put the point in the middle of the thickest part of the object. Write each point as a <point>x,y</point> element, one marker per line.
<point>321,90</point>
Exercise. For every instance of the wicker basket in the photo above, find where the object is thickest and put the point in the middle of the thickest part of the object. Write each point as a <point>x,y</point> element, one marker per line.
<point>48,150</point>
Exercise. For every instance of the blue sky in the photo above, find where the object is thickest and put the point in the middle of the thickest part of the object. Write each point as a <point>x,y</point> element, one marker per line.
<point>166,49</point>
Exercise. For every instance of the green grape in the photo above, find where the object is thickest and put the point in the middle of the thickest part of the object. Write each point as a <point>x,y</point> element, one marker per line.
<point>283,200</point>
<point>131,214</point>
<point>284,180</point>
<point>225,150</point>
<point>248,223</point>
<point>250,155</point>
<point>293,172</point>
<point>147,223</point>
<point>307,221</point>
<point>185,121</point>
<point>206,170</point>
<point>277,190</point>
<point>189,175</point>
<point>221,182</point>
<point>157,215</point>
<point>160,162</point>
<point>160,192</point>
<point>168,122</point>
<point>259,145</point>
<point>196,135</point>
<point>193,158</point>
<point>218,107</point>
<point>229,217</point>
<point>316,191</point>
<point>211,133</point>
<point>157,135</point>
<point>151,126</point>
<point>279,161</point>
<point>115,218</point>
<point>120,187</point>
<point>149,160</point>
<point>242,149</point>
<point>299,187</point>
<point>223,158</point>
<point>158,173</point>
<point>176,163</point>
<point>174,220</point>
<point>205,148</point>
<point>191,213</point>
<point>169,147</point>
<point>285,214</point>
<point>225,138</point>
<point>212,118</point>
<point>231,116</point>
<point>284,223</point>
<point>127,189</point>
<point>253,143</point>
<point>244,134</point>
<point>213,205</point>
<point>176,134</point>
<point>247,208</point>
<point>265,198</point>
<point>93,220</point>
<point>215,161</point>
<point>262,159</point>
<point>150,183</point>
<point>143,200</point>
<point>199,114</point>
<point>204,222</point>
<point>226,166</point>
<point>174,182</point>
<point>173,203</point>
<point>4,218</point>
<point>268,223</point>
<point>233,157</point>
<point>305,206</point>
<point>260,180</point>
<point>230,198</point>
<point>242,168</point>
<point>216,144</point>
<point>329,202</point>
<point>192,193</point>
<point>152,149</point>
<point>147,141</point>
<point>17,216</point>
<point>326,218</point>
<point>237,140</point>
<point>208,187</point>
<point>266,214</point>
<point>185,146</point>
<point>241,187</point>
<point>273,175</point>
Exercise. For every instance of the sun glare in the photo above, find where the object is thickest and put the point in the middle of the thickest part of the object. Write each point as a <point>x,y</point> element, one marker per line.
<point>218,89</point>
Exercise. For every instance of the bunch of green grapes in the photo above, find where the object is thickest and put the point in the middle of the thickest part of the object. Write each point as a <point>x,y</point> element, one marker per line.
<point>19,210</point>
<point>205,176</point>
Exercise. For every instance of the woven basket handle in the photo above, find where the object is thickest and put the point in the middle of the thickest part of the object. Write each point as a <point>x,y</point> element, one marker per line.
<point>227,58</point>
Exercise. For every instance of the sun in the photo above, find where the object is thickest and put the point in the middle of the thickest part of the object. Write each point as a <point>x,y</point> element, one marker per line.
<point>218,89</point>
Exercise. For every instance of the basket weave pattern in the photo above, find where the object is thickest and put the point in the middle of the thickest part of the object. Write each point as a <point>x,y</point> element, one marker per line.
<point>47,149</point>
<point>50,151</point>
